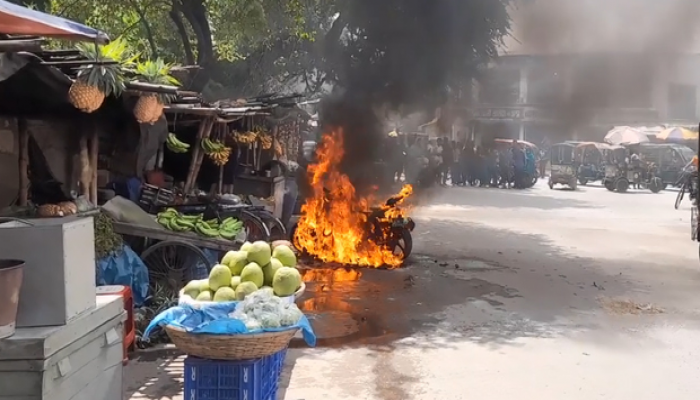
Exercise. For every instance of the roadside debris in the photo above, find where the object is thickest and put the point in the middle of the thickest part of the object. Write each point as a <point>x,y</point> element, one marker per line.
<point>626,307</point>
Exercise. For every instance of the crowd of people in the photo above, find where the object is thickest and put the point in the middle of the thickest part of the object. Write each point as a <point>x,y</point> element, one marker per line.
<point>427,161</point>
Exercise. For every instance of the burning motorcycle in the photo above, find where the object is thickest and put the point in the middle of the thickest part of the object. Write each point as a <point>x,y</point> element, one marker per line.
<point>384,225</point>
<point>392,231</point>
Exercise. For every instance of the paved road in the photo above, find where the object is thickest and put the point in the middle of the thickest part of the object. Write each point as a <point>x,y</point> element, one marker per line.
<point>539,294</point>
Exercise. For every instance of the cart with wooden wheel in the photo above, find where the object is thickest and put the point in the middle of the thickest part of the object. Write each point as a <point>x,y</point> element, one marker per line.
<point>172,258</point>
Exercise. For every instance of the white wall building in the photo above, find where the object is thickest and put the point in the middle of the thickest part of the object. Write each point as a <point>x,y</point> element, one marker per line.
<point>563,75</point>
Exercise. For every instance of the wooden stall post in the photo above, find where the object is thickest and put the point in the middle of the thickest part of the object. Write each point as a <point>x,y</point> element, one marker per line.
<point>85,173</point>
<point>23,161</point>
<point>220,186</point>
<point>94,154</point>
<point>198,155</point>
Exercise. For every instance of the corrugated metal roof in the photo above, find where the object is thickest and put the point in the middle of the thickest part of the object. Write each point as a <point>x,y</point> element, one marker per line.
<point>18,20</point>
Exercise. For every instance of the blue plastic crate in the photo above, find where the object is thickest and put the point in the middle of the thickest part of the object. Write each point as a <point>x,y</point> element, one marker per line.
<point>233,380</point>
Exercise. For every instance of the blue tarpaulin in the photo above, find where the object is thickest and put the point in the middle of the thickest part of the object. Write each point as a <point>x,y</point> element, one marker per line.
<point>18,20</point>
<point>214,319</point>
<point>124,268</point>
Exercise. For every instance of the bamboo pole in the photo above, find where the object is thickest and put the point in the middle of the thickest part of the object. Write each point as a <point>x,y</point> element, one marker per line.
<point>94,154</point>
<point>198,155</point>
<point>23,162</point>
<point>221,180</point>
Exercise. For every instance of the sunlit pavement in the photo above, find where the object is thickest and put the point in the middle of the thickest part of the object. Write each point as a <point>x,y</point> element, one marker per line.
<point>536,294</point>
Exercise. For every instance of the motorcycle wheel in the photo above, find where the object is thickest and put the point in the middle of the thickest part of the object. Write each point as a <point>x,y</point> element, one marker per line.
<point>656,185</point>
<point>402,243</point>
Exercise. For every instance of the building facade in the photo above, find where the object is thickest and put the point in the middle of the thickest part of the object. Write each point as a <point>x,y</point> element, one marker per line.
<point>574,69</point>
<point>564,97</point>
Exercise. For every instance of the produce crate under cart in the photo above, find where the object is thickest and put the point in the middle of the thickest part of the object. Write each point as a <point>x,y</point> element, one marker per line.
<point>175,256</point>
<point>233,380</point>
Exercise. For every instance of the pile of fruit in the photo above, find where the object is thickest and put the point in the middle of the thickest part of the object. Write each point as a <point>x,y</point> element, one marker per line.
<point>218,152</point>
<point>256,266</point>
<point>263,310</point>
<point>265,141</point>
<point>171,219</point>
<point>175,145</point>
<point>245,137</point>
<point>250,137</point>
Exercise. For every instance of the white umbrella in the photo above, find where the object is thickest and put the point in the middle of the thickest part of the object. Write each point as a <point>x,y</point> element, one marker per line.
<point>625,135</point>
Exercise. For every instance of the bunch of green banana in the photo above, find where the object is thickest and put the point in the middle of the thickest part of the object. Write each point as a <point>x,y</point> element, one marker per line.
<point>209,146</point>
<point>175,145</point>
<point>174,221</point>
<point>204,229</point>
<point>217,151</point>
<point>230,228</point>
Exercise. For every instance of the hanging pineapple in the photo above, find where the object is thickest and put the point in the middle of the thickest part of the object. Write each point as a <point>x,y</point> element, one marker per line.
<point>96,81</point>
<point>149,107</point>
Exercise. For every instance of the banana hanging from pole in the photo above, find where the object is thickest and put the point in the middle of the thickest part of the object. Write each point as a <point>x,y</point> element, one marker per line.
<point>218,152</point>
<point>175,145</point>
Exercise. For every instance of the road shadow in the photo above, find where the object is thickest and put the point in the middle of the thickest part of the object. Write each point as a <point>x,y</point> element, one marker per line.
<point>159,379</point>
<point>498,287</point>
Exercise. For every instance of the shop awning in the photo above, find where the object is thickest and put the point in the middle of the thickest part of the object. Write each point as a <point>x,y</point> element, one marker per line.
<point>18,20</point>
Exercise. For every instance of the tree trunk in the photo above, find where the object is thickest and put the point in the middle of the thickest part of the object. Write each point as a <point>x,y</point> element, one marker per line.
<point>176,17</point>
<point>147,28</point>
<point>195,12</point>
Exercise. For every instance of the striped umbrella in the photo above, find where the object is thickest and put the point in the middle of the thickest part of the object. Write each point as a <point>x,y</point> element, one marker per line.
<point>18,20</point>
<point>677,133</point>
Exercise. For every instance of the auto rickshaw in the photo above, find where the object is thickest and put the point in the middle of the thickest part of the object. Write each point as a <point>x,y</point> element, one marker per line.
<point>591,160</point>
<point>564,168</point>
<point>669,158</point>
<point>619,175</point>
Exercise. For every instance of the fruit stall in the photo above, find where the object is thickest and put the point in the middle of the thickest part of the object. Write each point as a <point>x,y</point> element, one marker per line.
<point>233,147</point>
<point>74,120</point>
<point>236,325</point>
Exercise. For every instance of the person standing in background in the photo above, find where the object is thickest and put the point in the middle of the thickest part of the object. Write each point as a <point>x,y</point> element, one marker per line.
<point>456,172</point>
<point>414,161</point>
<point>519,161</point>
<point>492,167</point>
<point>447,159</point>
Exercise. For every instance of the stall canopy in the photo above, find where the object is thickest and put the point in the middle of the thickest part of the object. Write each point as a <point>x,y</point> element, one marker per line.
<point>18,20</point>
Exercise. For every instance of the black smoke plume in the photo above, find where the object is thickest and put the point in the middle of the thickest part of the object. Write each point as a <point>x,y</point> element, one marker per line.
<point>401,56</point>
<point>619,43</point>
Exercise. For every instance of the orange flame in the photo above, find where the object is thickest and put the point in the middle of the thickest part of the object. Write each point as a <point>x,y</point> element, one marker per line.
<point>333,224</point>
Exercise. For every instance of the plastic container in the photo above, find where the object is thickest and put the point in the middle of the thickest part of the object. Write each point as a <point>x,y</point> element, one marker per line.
<point>10,285</point>
<point>129,326</point>
<point>233,380</point>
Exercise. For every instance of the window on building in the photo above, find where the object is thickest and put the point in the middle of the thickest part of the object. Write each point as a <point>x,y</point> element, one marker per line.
<point>500,86</point>
<point>682,101</point>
